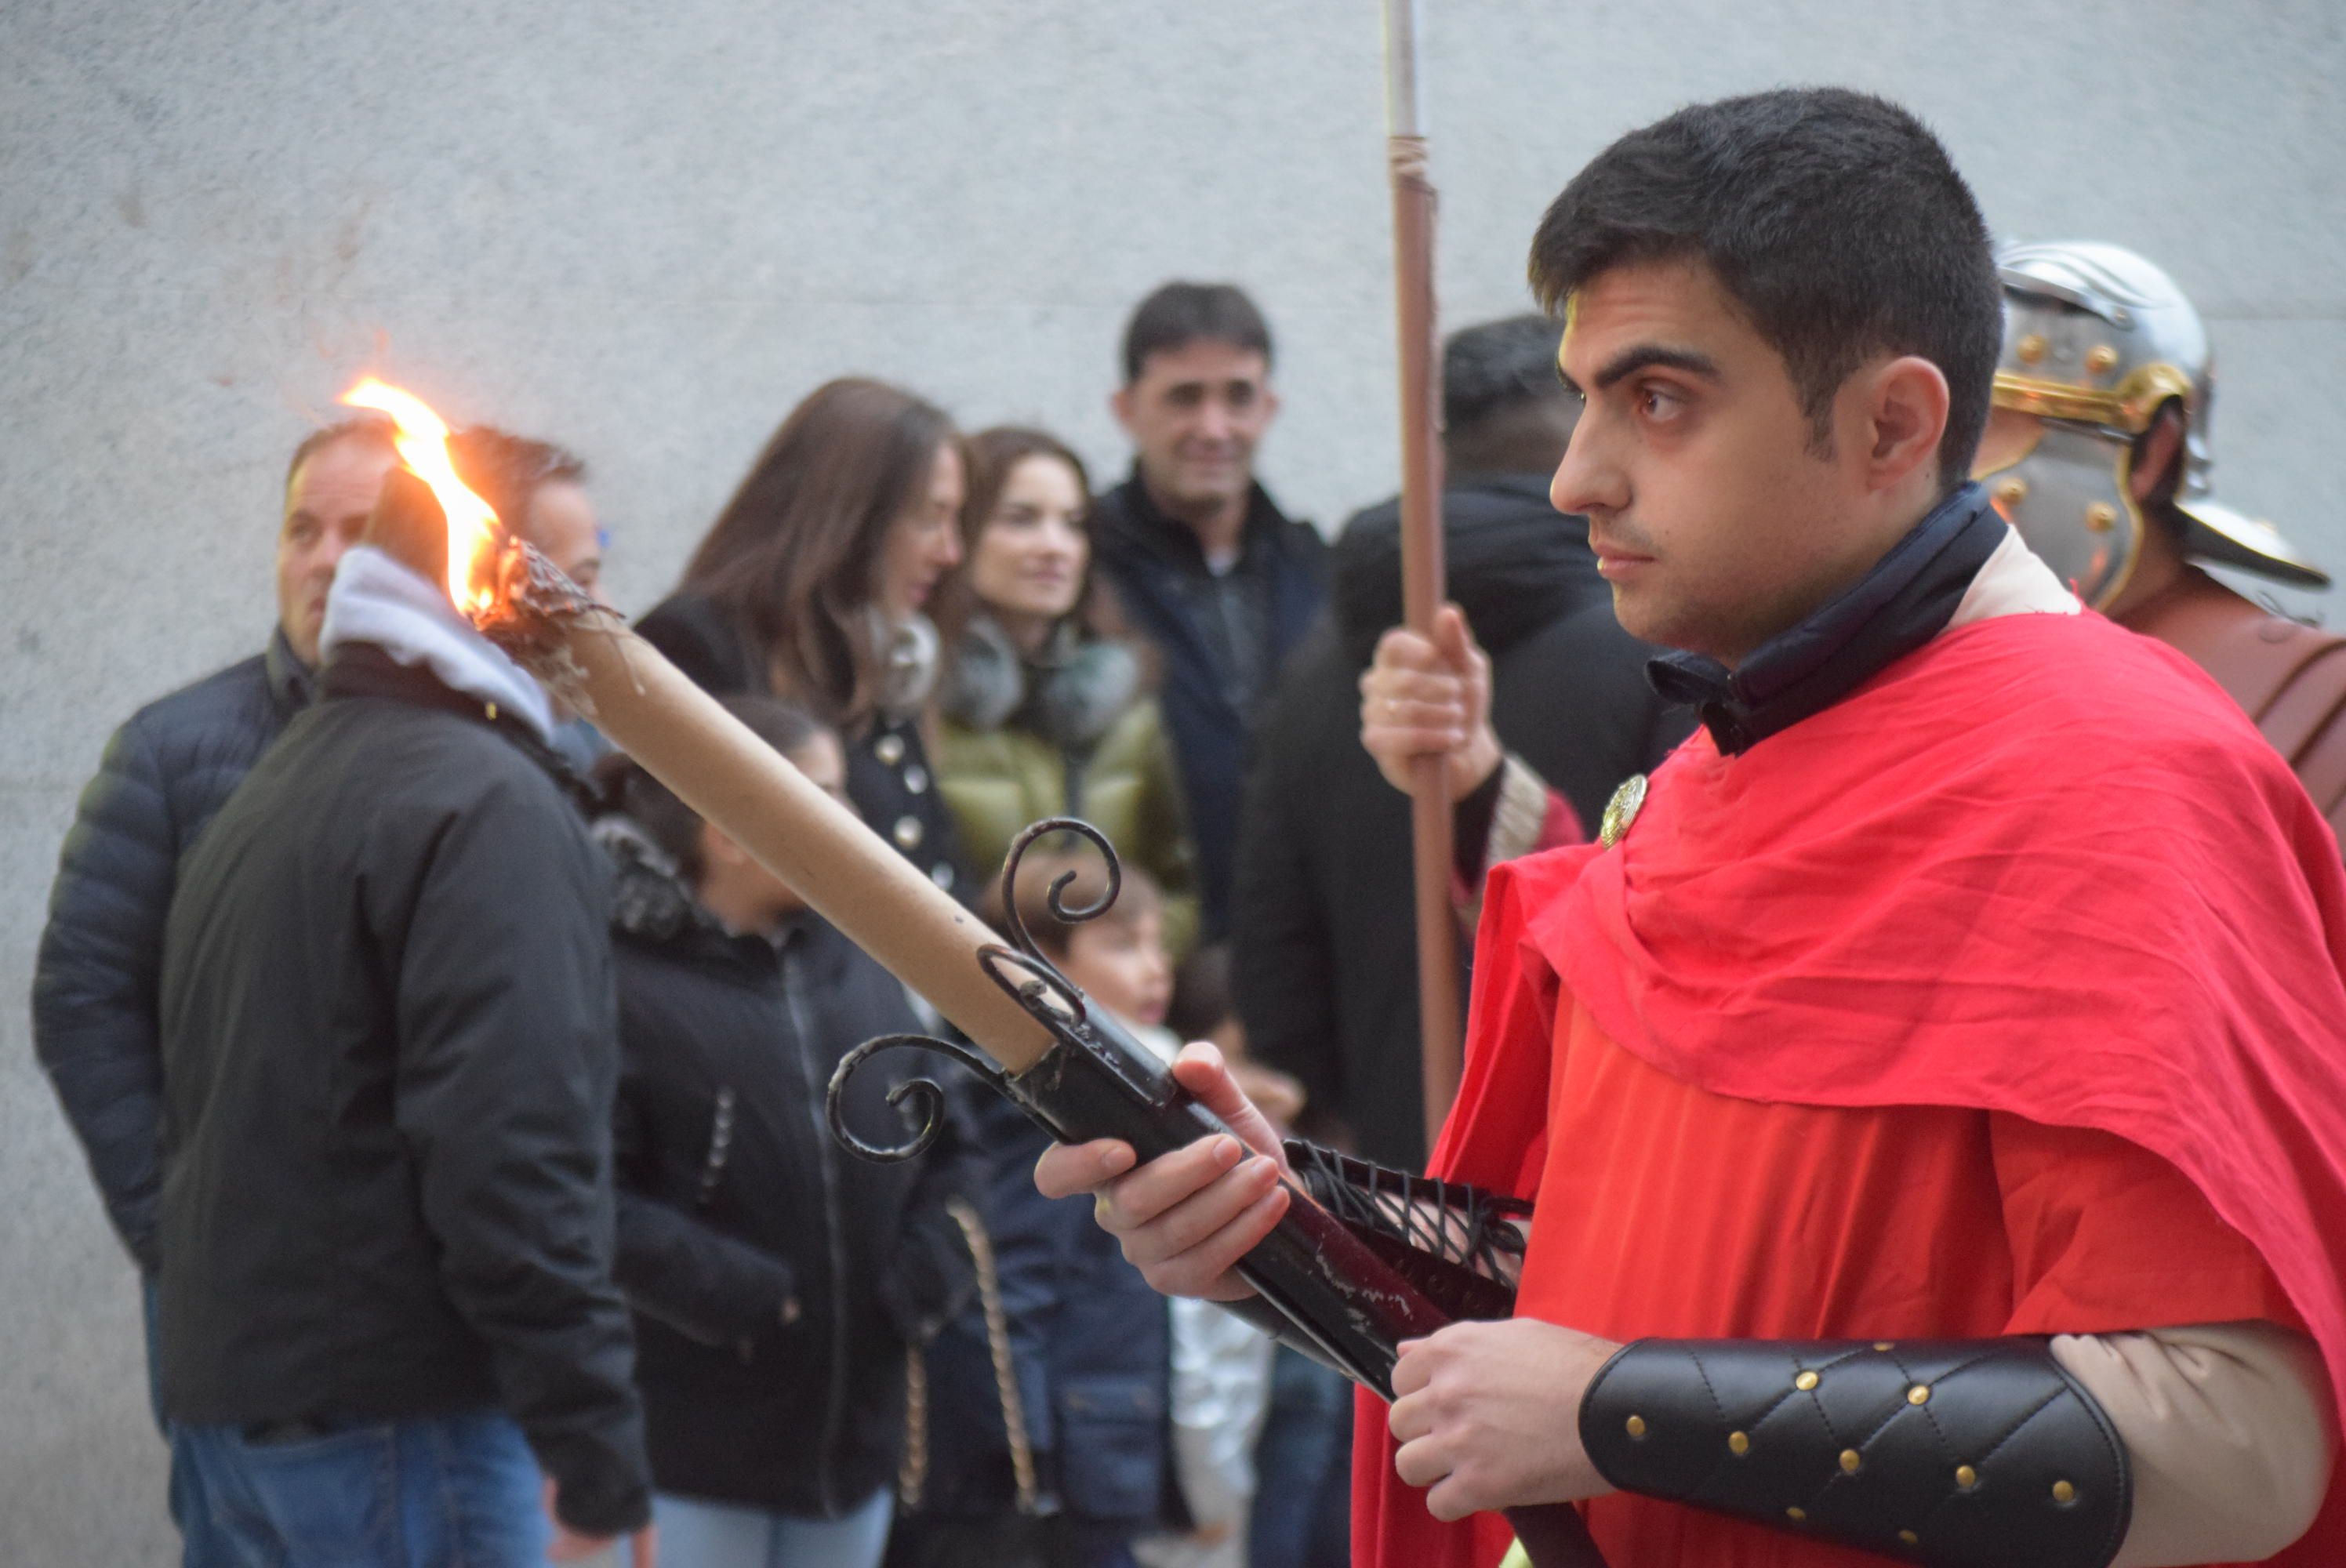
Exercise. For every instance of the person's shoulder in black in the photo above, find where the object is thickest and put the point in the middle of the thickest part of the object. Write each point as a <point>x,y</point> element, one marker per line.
<point>388,1023</point>
<point>705,640</point>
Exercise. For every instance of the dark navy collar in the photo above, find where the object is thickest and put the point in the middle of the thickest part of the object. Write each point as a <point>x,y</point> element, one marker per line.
<point>1176,542</point>
<point>291,682</point>
<point>1902,603</point>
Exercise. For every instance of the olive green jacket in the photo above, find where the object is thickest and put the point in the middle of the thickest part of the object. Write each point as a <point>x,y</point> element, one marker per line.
<point>997,780</point>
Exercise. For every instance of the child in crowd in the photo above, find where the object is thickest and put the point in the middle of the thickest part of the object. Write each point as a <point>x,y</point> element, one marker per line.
<point>776,1279</point>
<point>1220,1366</point>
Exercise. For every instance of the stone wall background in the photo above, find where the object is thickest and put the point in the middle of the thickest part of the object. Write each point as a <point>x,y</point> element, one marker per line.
<point>648,230</point>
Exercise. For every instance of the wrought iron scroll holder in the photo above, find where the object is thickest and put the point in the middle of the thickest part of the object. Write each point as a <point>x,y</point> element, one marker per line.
<point>1320,1279</point>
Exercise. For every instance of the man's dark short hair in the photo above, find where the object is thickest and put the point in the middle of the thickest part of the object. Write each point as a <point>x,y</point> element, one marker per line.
<point>1493,367</point>
<point>1834,219</point>
<point>1178,314</point>
<point>373,429</point>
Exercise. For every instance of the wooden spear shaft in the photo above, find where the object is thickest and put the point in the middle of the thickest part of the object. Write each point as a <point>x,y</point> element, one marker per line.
<point>1439,1009</point>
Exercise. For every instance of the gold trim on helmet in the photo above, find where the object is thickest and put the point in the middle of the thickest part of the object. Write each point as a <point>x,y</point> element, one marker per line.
<point>2129,406</point>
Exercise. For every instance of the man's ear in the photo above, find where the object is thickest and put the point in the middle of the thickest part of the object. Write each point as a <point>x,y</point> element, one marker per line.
<point>1905,413</point>
<point>1119,403</point>
<point>2156,454</point>
<point>1269,404</point>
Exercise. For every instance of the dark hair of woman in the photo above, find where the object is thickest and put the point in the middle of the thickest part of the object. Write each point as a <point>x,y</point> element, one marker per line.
<point>994,454</point>
<point>794,554</point>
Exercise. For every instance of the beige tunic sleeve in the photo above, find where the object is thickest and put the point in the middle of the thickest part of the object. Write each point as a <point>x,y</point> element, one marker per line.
<point>2230,1430</point>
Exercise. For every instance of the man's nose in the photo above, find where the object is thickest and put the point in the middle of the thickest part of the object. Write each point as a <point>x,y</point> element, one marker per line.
<point>947,554</point>
<point>1589,478</point>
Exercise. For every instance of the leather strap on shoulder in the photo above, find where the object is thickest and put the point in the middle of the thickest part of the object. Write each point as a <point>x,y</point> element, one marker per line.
<point>1960,1454</point>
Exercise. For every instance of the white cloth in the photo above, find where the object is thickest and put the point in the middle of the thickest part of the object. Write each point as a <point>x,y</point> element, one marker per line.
<point>1221,1387</point>
<point>376,600</point>
<point>2013,581</point>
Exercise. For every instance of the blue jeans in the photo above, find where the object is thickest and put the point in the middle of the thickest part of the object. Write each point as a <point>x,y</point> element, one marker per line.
<point>695,1533</point>
<point>1303,1469</point>
<point>452,1491</point>
<point>202,1543</point>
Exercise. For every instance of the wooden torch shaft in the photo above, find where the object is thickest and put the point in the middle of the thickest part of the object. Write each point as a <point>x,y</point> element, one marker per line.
<point>852,877</point>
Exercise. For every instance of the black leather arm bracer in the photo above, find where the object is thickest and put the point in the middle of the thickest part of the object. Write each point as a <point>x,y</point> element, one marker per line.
<point>1966,1454</point>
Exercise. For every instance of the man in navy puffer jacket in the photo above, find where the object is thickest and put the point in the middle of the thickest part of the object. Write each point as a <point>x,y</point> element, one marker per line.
<point>166,771</point>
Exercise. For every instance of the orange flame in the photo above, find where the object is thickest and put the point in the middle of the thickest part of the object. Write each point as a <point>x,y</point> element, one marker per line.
<point>421,439</point>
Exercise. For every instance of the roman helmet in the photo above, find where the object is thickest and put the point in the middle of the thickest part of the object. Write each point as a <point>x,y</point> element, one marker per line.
<point>2096,341</point>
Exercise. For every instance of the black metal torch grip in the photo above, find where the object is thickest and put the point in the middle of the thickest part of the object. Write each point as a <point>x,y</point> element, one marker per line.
<point>1097,1082</point>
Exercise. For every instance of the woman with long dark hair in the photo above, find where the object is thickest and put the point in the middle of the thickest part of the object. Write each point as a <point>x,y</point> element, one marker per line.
<point>1040,714</point>
<point>812,585</point>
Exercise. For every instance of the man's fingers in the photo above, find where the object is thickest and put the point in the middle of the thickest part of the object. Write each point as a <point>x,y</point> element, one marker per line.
<point>1196,1218</point>
<point>1414,1368</point>
<point>1380,686</point>
<point>647,1548</point>
<point>1451,1498</point>
<point>1422,1461</point>
<point>1066,1169</point>
<point>1140,1198</point>
<point>1401,648</point>
<point>1201,1270</point>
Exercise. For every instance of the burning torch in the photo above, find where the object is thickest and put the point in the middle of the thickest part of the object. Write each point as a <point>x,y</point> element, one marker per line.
<point>1069,1065</point>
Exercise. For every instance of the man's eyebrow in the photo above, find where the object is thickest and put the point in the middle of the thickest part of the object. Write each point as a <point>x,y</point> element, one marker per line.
<point>1647,356</point>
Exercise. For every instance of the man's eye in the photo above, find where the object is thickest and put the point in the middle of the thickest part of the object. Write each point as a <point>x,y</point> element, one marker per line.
<point>1241,395</point>
<point>1659,402</point>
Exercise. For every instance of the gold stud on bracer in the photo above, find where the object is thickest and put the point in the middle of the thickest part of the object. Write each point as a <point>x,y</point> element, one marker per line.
<point>1907,1538</point>
<point>1884,1345</point>
<point>1920,1394</point>
<point>1852,1461</point>
<point>1805,1381</point>
<point>1637,1425</point>
<point>2063,1494</point>
<point>1738,1444</point>
<point>1795,1514</point>
<point>1966,1477</point>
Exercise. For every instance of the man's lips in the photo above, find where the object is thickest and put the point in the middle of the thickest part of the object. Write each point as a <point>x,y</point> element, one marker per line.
<point>1613,563</point>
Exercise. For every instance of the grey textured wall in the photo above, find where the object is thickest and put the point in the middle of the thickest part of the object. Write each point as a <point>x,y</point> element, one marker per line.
<point>647,229</point>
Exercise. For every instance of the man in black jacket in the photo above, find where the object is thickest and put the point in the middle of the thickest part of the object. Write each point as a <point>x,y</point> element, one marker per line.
<point>1205,566</point>
<point>165,772</point>
<point>389,1042</point>
<point>776,1279</point>
<point>1325,953</point>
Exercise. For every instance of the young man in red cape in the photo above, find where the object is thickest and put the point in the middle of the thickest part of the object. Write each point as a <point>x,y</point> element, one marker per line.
<point>1931,1094</point>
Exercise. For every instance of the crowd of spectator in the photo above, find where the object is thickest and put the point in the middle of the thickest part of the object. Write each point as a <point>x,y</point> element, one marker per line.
<point>460,1094</point>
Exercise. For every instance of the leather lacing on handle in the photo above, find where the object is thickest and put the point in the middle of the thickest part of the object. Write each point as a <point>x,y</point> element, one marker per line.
<point>1457,1223</point>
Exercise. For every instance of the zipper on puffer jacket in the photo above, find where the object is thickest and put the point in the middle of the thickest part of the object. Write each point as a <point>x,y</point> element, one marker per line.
<point>834,1410</point>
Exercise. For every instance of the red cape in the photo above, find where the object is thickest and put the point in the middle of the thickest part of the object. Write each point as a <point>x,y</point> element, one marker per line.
<point>2042,865</point>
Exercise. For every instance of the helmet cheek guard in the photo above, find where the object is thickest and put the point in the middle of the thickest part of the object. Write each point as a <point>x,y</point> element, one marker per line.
<point>2096,343</point>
